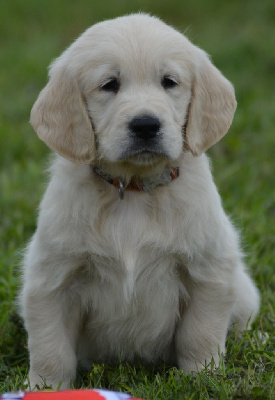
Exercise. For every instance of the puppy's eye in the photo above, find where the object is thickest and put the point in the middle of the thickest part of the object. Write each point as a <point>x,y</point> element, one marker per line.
<point>112,85</point>
<point>169,82</point>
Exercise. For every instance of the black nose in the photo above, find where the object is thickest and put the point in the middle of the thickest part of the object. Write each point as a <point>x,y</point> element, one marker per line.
<point>145,127</point>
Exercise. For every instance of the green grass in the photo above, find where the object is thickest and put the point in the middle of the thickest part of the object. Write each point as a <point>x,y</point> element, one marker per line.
<point>240,37</point>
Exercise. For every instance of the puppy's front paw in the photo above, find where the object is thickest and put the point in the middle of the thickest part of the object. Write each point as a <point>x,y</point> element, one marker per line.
<point>190,365</point>
<point>195,365</point>
<point>34,382</point>
<point>37,382</point>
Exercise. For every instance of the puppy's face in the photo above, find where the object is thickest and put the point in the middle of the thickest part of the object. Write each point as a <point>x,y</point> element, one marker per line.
<point>137,94</point>
<point>133,90</point>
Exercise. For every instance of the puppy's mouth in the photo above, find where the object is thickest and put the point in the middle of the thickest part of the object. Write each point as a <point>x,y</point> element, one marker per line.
<point>144,154</point>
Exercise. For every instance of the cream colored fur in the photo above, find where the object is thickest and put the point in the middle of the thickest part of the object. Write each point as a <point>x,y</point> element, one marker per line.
<point>156,276</point>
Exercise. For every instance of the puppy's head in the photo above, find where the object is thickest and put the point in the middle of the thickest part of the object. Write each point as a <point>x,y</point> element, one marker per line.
<point>132,90</point>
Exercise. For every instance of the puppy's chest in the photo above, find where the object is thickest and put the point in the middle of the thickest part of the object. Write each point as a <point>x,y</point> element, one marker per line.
<point>129,247</point>
<point>131,285</point>
<point>133,274</point>
<point>133,306</point>
<point>125,227</point>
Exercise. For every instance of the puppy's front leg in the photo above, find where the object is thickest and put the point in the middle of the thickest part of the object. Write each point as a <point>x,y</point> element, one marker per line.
<point>51,340</point>
<point>201,333</point>
<point>50,308</point>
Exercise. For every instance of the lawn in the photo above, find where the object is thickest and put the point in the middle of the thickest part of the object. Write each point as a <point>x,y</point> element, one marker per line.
<point>240,37</point>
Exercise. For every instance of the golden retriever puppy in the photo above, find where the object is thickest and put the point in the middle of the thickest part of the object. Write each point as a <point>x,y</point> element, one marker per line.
<point>133,257</point>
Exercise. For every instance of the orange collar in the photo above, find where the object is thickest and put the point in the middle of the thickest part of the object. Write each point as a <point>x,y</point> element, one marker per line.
<point>139,185</point>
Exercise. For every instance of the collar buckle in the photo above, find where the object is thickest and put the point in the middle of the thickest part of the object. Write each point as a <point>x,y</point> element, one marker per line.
<point>121,189</point>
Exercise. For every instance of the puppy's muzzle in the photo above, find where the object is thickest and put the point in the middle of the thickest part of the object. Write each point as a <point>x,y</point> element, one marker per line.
<point>145,139</point>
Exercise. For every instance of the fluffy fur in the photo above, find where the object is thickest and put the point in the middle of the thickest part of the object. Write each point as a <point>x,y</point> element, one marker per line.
<point>158,275</point>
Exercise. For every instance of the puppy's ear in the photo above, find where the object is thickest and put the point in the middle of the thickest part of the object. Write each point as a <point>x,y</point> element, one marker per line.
<point>211,109</point>
<point>60,118</point>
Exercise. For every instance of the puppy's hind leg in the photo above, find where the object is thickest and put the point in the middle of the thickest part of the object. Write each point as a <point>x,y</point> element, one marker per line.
<point>247,301</point>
